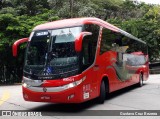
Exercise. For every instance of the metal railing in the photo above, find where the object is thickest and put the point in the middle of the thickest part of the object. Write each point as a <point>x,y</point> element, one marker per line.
<point>154,68</point>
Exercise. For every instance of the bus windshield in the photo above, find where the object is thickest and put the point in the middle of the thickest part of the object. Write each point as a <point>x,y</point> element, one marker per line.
<point>52,53</point>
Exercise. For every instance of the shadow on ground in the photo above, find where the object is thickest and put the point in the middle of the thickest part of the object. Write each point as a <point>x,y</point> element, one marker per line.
<point>74,109</point>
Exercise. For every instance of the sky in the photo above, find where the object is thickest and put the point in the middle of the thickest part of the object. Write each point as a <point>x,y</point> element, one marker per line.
<point>151,1</point>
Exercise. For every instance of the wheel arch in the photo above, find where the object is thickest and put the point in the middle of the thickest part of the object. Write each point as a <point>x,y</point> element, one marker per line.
<point>106,82</point>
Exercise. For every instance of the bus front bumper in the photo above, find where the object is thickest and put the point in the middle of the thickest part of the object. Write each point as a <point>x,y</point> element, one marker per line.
<point>72,95</point>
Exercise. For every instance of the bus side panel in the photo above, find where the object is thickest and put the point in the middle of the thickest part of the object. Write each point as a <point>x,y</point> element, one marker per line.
<point>107,62</point>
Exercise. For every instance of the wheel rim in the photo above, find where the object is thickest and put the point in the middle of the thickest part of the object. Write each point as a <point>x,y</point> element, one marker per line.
<point>141,80</point>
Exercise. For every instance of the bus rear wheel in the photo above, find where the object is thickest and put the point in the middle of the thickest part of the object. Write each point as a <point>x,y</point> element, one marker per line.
<point>140,84</point>
<point>102,95</point>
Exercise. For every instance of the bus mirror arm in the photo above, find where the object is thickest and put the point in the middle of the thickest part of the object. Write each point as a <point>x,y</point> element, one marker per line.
<point>16,44</point>
<point>79,39</point>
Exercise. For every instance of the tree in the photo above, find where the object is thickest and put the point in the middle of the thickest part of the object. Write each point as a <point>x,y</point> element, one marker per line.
<point>108,8</point>
<point>5,3</point>
<point>18,17</point>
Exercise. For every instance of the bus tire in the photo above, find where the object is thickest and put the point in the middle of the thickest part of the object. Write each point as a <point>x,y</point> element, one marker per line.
<point>140,84</point>
<point>102,95</point>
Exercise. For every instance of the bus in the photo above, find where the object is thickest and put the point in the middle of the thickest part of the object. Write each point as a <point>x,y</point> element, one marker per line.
<point>79,59</point>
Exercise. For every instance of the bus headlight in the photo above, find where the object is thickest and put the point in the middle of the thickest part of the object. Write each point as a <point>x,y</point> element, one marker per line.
<point>27,82</point>
<point>73,84</point>
<point>24,85</point>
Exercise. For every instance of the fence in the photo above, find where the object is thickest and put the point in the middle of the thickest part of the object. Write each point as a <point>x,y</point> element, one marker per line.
<point>154,68</point>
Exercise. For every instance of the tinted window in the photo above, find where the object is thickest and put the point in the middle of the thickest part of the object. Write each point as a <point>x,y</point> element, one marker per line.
<point>120,43</point>
<point>110,41</point>
<point>129,50</point>
<point>134,46</point>
<point>89,45</point>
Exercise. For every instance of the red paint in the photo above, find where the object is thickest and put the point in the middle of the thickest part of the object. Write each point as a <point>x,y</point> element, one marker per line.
<point>16,44</point>
<point>94,75</point>
<point>75,22</point>
<point>78,41</point>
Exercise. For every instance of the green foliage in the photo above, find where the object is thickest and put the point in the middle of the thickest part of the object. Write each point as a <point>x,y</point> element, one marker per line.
<point>9,10</point>
<point>17,23</point>
<point>18,17</point>
<point>153,13</point>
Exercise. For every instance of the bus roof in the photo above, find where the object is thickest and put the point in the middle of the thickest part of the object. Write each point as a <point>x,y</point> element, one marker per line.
<point>80,21</point>
<point>73,22</point>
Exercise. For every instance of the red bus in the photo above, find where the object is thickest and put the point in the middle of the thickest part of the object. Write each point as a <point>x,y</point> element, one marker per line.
<point>76,60</point>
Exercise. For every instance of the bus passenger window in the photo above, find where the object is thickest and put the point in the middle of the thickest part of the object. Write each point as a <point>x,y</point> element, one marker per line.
<point>110,41</point>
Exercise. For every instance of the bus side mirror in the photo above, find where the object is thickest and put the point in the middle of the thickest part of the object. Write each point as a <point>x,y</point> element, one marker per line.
<point>16,44</point>
<point>79,39</point>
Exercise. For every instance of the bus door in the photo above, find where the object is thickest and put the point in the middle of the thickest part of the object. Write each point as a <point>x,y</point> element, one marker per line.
<point>89,67</point>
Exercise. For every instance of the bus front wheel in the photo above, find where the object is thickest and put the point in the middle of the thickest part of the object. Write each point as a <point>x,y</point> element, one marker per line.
<point>102,95</point>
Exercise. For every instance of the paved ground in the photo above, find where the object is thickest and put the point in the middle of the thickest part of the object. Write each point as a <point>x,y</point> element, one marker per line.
<point>132,98</point>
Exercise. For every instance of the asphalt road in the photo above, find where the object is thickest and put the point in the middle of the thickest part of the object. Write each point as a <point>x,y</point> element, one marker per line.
<point>132,98</point>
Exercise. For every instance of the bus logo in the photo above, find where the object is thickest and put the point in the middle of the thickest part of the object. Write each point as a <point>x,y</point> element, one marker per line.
<point>45,89</point>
